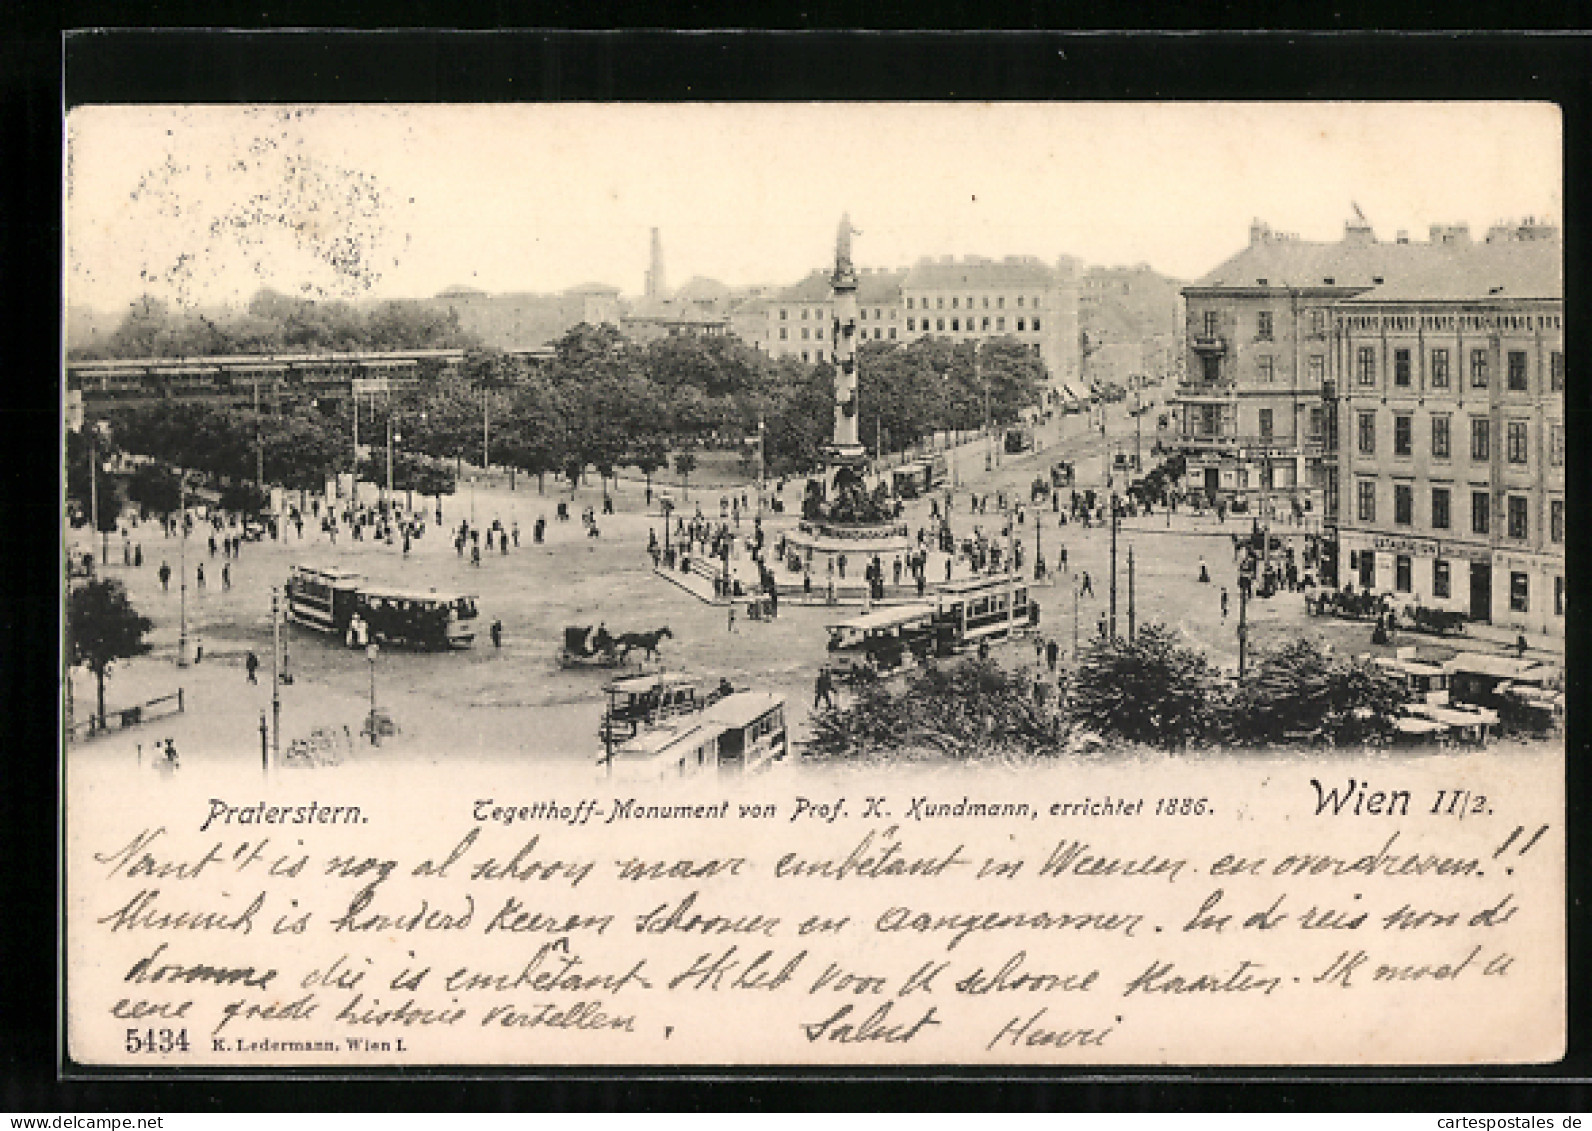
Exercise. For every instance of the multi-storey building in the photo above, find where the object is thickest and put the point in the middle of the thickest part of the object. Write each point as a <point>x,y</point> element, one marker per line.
<point>798,318</point>
<point>1446,485</point>
<point>1019,296</point>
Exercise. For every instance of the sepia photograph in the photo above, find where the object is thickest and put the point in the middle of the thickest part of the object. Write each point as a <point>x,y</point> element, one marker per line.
<point>814,583</point>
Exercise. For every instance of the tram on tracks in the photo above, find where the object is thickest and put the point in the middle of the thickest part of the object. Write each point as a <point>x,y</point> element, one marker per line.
<point>742,733</point>
<point>343,604</point>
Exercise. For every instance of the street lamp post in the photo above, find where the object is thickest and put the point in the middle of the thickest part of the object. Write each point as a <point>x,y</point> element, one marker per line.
<point>371,651</point>
<point>276,680</point>
<point>182,565</point>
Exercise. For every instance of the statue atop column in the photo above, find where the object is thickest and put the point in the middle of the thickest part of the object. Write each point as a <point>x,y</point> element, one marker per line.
<point>843,267</point>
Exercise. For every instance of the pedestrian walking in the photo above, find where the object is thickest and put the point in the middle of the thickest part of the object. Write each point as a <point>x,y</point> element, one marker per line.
<point>807,585</point>
<point>515,534</point>
<point>1052,653</point>
<point>199,575</point>
<point>1087,586</point>
<point>1224,602</point>
<point>226,575</point>
<point>824,690</point>
<point>731,608</point>
<point>165,577</point>
<point>475,553</point>
<point>496,632</point>
<point>251,664</point>
<point>138,556</point>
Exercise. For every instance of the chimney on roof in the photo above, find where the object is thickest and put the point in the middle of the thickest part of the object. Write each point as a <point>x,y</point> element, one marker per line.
<point>1259,231</point>
<point>1403,236</point>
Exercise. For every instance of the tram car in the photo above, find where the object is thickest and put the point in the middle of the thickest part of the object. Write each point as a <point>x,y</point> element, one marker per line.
<point>742,733</point>
<point>880,642</point>
<point>968,613</point>
<point>641,701</point>
<point>341,603</point>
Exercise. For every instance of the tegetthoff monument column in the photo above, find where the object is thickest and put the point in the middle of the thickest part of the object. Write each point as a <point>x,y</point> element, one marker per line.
<point>845,451</point>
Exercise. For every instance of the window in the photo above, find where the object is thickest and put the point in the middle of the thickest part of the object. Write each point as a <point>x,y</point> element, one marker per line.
<point>1315,422</point>
<point>1519,593</point>
<point>1403,504</point>
<point>818,355</point>
<point>986,302</point>
<point>1020,325</point>
<point>1318,321</point>
<point>819,333</point>
<point>955,302</point>
<point>1478,369</point>
<point>955,322</point>
<point>804,314</point>
<point>1517,371</point>
<point>1212,323</point>
<point>1518,520</point>
<point>1439,508</point>
<point>1558,596</point>
<point>1401,573</point>
<point>805,333</point>
<point>783,333</point>
<point>1365,365</point>
<point>1000,323</point>
<point>986,320</point>
<point>939,303</point>
<point>1517,441</point>
<point>1556,520</point>
<point>1019,302</point>
<point>805,357</point>
<point>911,325</point>
<point>1367,569</point>
<point>1440,437</point>
<point>1556,445</point>
<point>939,323</point>
<point>1367,500</point>
<point>1480,512</point>
<point>892,333</point>
<point>1265,423</point>
<point>1034,325</point>
<point>1368,433</point>
<point>1439,369</point>
<point>1556,371</point>
<point>1263,330</point>
<point>1318,369</point>
<point>1401,368</point>
<point>1000,304</point>
<point>1267,369</point>
<point>1480,439</point>
<point>783,314</point>
<point>1403,426</point>
<point>1442,581</point>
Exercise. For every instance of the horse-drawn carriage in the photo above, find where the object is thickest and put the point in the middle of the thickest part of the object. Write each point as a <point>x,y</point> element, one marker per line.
<point>588,648</point>
<point>585,647</point>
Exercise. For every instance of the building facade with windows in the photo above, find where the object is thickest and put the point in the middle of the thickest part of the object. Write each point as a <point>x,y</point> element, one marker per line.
<point>1449,400</point>
<point>798,320</point>
<point>1018,297</point>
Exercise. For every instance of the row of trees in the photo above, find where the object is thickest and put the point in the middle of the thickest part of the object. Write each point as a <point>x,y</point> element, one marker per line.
<point>1154,691</point>
<point>601,402</point>
<point>277,323</point>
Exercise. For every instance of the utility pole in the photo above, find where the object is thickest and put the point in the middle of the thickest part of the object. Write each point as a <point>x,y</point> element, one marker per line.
<point>486,432</point>
<point>1243,629</point>
<point>1011,575</point>
<point>259,448</point>
<point>182,564</point>
<point>1113,565</point>
<point>1075,618</point>
<point>389,456</point>
<point>356,435</point>
<point>276,681</point>
<point>1132,607</point>
<point>760,439</point>
<point>93,494</point>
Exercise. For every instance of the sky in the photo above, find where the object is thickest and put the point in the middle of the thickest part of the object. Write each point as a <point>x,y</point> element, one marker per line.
<point>206,205</point>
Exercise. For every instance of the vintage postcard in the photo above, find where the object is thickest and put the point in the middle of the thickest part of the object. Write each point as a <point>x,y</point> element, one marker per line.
<point>990,585</point>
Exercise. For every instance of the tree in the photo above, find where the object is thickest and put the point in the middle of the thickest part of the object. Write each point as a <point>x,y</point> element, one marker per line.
<point>684,464</point>
<point>244,498</point>
<point>155,488</point>
<point>102,627</point>
<point>1300,692</point>
<point>79,474</point>
<point>1153,690</point>
<point>649,455</point>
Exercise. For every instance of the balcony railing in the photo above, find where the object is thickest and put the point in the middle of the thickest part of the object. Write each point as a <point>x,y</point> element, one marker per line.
<point>1210,343</point>
<point>1195,390</point>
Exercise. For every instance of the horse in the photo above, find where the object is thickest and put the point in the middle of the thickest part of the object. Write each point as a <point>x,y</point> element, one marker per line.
<point>646,641</point>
